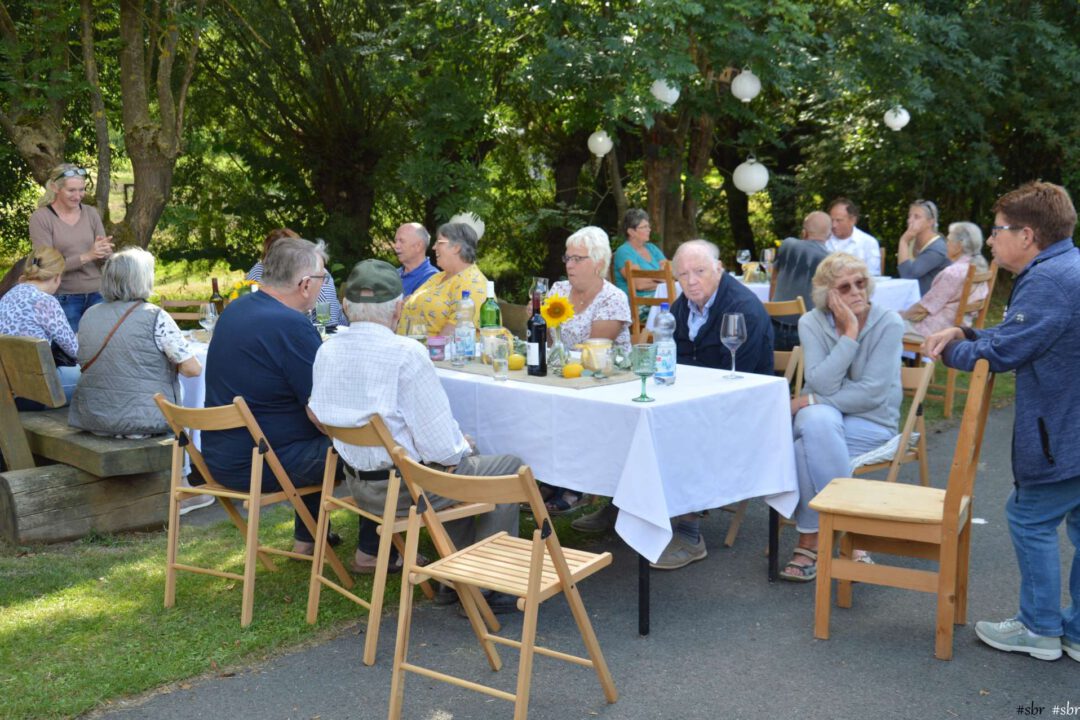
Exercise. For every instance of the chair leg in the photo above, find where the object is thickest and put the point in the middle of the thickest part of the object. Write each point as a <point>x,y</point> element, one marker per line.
<point>317,560</point>
<point>843,587</point>
<point>823,591</point>
<point>528,629</point>
<point>950,391</point>
<point>401,646</point>
<point>174,529</point>
<point>963,558</point>
<point>924,461</point>
<point>382,565</point>
<point>251,552</point>
<point>470,598</point>
<point>946,598</point>
<point>736,523</point>
<point>425,587</point>
<point>592,645</point>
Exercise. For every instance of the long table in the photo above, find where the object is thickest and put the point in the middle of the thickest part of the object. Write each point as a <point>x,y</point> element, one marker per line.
<point>706,442</point>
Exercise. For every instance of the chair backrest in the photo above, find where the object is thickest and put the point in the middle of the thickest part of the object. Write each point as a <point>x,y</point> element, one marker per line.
<point>917,380</point>
<point>636,301</point>
<point>181,309</point>
<point>514,317</point>
<point>983,306</point>
<point>969,441</point>
<point>790,362</point>
<point>781,308</point>
<point>27,370</point>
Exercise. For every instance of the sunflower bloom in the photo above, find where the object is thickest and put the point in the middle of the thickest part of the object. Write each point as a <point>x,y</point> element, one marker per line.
<point>556,310</point>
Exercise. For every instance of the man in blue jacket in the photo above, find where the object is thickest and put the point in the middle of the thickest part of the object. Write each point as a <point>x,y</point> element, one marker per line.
<point>1040,340</point>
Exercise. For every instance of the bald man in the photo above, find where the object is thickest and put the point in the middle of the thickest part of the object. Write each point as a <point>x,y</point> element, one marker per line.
<point>411,246</point>
<point>796,262</point>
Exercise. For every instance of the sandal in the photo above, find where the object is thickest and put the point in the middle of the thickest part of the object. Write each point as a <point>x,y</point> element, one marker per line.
<point>560,505</point>
<point>805,573</point>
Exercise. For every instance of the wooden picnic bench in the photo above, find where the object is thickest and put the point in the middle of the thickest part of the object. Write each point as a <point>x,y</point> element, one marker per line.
<point>60,483</point>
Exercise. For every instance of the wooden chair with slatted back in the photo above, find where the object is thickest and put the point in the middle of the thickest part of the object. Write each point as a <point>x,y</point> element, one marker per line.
<point>638,333</point>
<point>979,308</point>
<point>374,433</point>
<point>182,421</point>
<point>908,521</point>
<point>181,309</point>
<point>534,570</point>
<point>915,380</point>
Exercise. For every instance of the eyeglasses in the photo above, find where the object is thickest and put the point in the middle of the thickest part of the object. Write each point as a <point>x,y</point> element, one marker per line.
<point>844,289</point>
<point>994,230</point>
<point>322,278</point>
<point>74,172</point>
<point>574,259</point>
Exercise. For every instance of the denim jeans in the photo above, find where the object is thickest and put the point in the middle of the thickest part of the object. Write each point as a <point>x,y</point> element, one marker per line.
<point>825,440</point>
<point>74,305</point>
<point>1034,513</point>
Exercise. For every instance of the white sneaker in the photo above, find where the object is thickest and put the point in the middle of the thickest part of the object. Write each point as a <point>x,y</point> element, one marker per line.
<point>680,553</point>
<point>1072,649</point>
<point>1013,636</point>
<point>195,502</point>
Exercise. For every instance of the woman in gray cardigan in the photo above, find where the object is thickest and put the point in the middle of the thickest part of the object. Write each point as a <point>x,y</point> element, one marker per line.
<point>851,398</point>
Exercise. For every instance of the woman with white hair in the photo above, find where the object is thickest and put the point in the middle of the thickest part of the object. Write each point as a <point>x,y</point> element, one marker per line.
<point>936,310</point>
<point>850,402</point>
<point>129,349</point>
<point>920,254</point>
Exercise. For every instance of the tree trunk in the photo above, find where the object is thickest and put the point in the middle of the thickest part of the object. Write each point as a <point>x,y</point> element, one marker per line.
<point>97,107</point>
<point>570,156</point>
<point>726,159</point>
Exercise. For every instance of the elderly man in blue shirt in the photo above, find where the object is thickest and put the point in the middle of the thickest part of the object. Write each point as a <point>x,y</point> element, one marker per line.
<point>1039,339</point>
<point>411,245</point>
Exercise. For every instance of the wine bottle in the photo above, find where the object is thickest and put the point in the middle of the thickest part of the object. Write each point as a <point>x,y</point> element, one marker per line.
<point>536,360</point>
<point>215,296</point>
<point>490,314</point>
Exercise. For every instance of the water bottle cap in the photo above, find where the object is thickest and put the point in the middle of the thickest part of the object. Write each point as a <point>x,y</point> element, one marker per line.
<point>664,307</point>
<point>464,294</point>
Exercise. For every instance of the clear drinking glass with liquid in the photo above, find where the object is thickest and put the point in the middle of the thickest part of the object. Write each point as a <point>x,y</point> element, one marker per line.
<point>500,358</point>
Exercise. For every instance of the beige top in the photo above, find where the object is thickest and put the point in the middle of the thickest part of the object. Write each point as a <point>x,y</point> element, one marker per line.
<point>48,230</point>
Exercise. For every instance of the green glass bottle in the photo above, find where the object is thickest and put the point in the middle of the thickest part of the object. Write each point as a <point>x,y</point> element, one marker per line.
<point>490,315</point>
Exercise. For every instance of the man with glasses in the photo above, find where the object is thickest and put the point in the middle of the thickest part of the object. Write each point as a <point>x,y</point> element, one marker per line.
<point>263,349</point>
<point>847,238</point>
<point>1039,339</point>
<point>411,243</point>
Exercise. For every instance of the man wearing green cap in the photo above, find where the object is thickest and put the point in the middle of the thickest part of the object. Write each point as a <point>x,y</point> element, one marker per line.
<point>367,369</point>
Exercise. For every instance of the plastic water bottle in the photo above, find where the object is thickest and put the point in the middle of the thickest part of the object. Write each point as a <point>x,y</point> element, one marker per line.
<point>664,340</point>
<point>464,331</point>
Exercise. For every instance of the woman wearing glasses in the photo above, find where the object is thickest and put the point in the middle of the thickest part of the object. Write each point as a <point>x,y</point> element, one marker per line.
<point>435,302</point>
<point>850,403</point>
<point>76,231</point>
<point>921,254</point>
<point>327,293</point>
<point>641,253</point>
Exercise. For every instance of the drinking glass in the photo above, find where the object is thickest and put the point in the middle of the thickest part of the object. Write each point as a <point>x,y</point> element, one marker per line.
<point>732,335</point>
<point>322,316</point>
<point>417,330</point>
<point>539,284</point>
<point>643,363</point>
<point>208,316</point>
<point>768,256</point>
<point>743,257</point>
<point>500,358</point>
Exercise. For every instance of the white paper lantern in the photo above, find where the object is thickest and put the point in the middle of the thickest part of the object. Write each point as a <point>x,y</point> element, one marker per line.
<point>600,143</point>
<point>746,86</point>
<point>897,118</point>
<point>751,176</point>
<point>472,221</point>
<point>665,92</point>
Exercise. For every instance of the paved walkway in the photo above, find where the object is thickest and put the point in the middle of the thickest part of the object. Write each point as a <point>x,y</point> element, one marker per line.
<point>725,644</point>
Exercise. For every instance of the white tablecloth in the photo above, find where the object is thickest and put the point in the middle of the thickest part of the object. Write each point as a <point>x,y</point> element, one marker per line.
<point>706,442</point>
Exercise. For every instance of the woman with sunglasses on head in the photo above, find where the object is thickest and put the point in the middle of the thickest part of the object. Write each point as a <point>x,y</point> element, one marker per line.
<point>921,254</point>
<point>850,402</point>
<point>64,223</point>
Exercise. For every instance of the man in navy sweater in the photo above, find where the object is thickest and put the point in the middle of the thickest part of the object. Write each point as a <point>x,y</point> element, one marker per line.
<point>1039,339</point>
<point>707,295</point>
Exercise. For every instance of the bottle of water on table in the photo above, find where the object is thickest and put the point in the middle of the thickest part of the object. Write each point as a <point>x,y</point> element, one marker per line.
<point>664,339</point>
<point>464,331</point>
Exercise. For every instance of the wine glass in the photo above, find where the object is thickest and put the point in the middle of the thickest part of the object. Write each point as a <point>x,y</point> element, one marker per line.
<point>208,316</point>
<point>539,285</point>
<point>768,256</point>
<point>322,316</point>
<point>417,330</point>
<point>643,363</point>
<point>732,335</point>
<point>743,257</point>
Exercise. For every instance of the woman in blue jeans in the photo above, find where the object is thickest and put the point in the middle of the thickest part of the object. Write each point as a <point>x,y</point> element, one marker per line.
<point>851,398</point>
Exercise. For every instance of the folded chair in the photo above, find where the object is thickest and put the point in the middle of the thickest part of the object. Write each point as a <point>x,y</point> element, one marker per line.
<point>533,569</point>
<point>372,434</point>
<point>906,520</point>
<point>228,417</point>
<point>910,444</point>
<point>638,333</point>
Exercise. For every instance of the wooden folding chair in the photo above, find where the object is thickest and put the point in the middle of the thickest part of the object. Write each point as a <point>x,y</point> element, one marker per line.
<point>979,308</point>
<point>533,570</point>
<point>374,433</point>
<point>638,334</point>
<point>910,521</point>
<point>229,417</point>
<point>181,309</point>
<point>916,380</point>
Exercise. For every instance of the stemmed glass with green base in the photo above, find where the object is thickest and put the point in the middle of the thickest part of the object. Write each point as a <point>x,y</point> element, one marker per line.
<point>643,363</point>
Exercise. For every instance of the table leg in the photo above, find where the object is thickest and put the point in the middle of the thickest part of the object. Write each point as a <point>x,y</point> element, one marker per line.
<point>643,596</point>
<point>774,544</point>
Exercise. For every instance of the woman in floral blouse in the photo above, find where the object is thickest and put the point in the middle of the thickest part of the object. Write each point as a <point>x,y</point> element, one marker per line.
<point>435,302</point>
<point>30,309</point>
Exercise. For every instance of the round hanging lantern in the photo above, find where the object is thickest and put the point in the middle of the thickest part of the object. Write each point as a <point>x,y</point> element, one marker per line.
<point>751,176</point>
<point>472,220</point>
<point>600,143</point>
<point>746,86</point>
<point>663,91</point>
<point>897,118</point>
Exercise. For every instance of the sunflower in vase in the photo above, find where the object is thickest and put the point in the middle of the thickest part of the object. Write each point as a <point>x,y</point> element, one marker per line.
<point>556,310</point>
<point>244,287</point>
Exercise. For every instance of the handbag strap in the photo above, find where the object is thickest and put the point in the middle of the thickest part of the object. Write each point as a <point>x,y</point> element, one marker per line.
<point>108,337</point>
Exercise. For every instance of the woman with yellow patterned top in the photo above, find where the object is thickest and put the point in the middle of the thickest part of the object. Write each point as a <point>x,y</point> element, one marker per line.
<point>435,302</point>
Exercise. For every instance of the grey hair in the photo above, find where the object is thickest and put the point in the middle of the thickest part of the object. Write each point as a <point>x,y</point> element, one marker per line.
<point>421,232</point>
<point>378,313</point>
<point>703,245</point>
<point>832,267</point>
<point>633,218</point>
<point>462,236</point>
<point>128,275</point>
<point>970,237</point>
<point>596,243</point>
<point>290,259</point>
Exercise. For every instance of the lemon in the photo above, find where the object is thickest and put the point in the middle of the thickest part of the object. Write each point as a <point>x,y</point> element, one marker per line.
<point>573,370</point>
<point>516,361</point>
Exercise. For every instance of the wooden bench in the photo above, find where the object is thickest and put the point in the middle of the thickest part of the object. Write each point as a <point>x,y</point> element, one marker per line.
<point>95,484</point>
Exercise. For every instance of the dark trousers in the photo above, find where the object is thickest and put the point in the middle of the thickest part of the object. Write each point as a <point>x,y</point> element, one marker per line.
<point>785,336</point>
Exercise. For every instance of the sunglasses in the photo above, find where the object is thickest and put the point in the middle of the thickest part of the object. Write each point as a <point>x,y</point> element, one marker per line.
<point>74,172</point>
<point>930,208</point>
<point>844,289</point>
